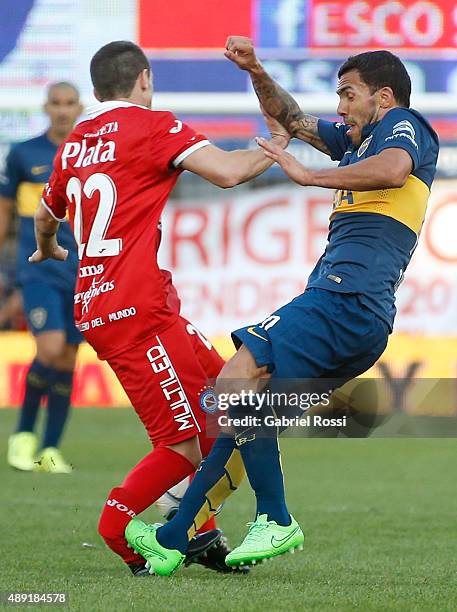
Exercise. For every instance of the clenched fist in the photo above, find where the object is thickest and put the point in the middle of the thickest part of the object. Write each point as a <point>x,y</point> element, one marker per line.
<point>241,52</point>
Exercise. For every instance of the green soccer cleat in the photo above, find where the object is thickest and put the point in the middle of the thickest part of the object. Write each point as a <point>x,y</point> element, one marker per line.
<point>159,560</point>
<point>50,460</point>
<point>21,451</point>
<point>266,539</point>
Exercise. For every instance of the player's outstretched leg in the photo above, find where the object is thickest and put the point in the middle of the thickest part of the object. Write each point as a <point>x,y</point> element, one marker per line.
<point>165,547</point>
<point>159,560</point>
<point>217,477</point>
<point>145,483</point>
<point>266,539</point>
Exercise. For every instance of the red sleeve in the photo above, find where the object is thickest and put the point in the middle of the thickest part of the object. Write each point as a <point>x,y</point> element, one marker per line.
<point>53,197</point>
<point>175,140</point>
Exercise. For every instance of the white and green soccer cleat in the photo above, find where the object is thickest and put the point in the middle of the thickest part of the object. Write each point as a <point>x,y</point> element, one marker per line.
<point>21,451</point>
<point>266,539</point>
<point>51,460</point>
<point>159,560</point>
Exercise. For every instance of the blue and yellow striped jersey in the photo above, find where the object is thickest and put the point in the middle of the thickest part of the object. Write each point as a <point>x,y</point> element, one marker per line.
<point>374,233</point>
<point>28,167</point>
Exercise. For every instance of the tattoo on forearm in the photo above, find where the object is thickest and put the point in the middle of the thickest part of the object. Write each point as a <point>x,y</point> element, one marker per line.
<point>282,106</point>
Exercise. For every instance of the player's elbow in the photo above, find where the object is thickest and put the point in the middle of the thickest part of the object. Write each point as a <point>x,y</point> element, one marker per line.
<point>232,181</point>
<point>227,180</point>
<point>397,178</point>
<point>394,167</point>
<point>42,215</point>
<point>388,177</point>
<point>44,221</point>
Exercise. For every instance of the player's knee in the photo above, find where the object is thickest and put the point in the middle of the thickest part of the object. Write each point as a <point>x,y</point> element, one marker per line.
<point>50,353</point>
<point>48,356</point>
<point>206,443</point>
<point>238,372</point>
<point>229,379</point>
<point>67,358</point>
<point>233,378</point>
<point>190,449</point>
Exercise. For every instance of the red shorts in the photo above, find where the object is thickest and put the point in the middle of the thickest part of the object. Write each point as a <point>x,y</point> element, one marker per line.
<point>164,377</point>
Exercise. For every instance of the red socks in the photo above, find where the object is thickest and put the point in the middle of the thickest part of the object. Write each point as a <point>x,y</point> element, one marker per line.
<point>149,479</point>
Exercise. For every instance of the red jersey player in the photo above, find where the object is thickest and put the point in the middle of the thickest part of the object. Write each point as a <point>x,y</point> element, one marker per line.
<point>114,175</point>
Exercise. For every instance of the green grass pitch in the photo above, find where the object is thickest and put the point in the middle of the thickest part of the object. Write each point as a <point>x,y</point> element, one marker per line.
<point>379,515</point>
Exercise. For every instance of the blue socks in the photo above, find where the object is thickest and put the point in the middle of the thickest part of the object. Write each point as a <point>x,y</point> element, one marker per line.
<point>43,381</point>
<point>212,469</point>
<point>262,462</point>
<point>39,378</point>
<point>59,396</point>
<point>215,480</point>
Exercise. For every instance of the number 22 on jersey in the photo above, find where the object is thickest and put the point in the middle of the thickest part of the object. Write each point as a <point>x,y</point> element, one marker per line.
<point>97,245</point>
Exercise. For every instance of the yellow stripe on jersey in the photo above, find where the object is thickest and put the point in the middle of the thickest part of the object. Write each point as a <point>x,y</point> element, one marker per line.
<point>28,197</point>
<point>406,204</point>
<point>224,487</point>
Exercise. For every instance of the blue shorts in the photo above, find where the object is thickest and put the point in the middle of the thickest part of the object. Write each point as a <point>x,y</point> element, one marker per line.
<point>49,308</point>
<point>320,334</point>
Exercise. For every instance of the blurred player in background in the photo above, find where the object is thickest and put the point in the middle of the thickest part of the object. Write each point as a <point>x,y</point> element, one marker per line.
<point>47,291</point>
<point>114,174</point>
<point>338,328</point>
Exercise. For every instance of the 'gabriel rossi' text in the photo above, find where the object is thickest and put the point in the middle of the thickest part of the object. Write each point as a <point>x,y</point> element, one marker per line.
<point>308,420</point>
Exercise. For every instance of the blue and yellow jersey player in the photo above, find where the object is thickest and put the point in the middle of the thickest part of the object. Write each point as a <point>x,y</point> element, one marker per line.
<point>339,326</point>
<point>47,290</point>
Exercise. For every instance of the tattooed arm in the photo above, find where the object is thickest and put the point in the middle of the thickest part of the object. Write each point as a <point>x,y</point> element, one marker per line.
<point>274,99</point>
<point>282,106</point>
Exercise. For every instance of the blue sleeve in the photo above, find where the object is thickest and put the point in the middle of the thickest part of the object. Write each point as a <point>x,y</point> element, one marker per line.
<point>402,130</point>
<point>11,176</point>
<point>334,137</point>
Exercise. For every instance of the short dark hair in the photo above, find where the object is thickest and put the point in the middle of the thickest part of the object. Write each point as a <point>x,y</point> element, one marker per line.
<point>115,68</point>
<point>381,69</point>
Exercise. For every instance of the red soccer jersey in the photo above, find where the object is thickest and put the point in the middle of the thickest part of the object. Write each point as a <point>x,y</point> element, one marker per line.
<point>114,174</point>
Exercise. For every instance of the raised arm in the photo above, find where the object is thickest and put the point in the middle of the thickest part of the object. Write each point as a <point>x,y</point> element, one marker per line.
<point>274,99</point>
